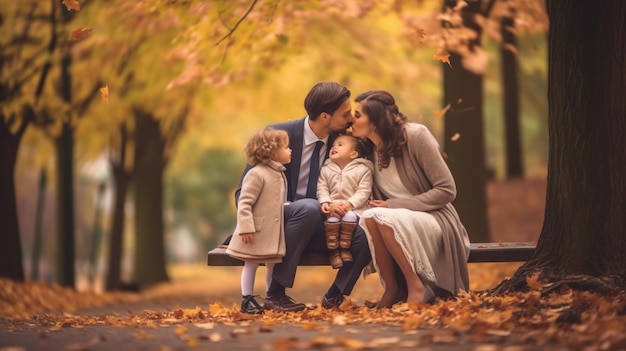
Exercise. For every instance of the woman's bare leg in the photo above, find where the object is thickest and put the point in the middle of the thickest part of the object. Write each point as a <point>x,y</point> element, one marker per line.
<point>385,264</point>
<point>415,287</point>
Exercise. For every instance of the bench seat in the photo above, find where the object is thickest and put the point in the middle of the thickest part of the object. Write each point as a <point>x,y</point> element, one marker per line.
<point>479,252</point>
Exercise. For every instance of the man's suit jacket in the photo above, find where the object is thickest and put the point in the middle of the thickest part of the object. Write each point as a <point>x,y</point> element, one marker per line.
<point>295,130</point>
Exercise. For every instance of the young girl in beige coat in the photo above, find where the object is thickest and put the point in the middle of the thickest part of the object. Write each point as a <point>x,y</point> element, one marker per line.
<point>259,234</point>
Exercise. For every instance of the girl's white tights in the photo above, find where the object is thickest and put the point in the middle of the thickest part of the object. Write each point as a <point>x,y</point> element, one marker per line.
<point>248,274</point>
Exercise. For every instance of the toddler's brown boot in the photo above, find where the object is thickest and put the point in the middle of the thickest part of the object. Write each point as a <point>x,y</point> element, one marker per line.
<point>332,243</point>
<point>345,240</point>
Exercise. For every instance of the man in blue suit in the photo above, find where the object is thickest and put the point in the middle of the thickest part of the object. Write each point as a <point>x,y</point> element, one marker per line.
<point>328,113</point>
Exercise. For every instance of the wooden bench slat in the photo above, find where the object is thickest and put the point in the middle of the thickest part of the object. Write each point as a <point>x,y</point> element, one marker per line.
<point>479,252</point>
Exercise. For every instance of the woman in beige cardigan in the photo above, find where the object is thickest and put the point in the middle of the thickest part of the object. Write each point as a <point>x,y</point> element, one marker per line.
<point>411,223</point>
<point>259,235</point>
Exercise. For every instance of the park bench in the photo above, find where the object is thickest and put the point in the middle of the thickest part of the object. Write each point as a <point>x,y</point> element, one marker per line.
<point>479,252</point>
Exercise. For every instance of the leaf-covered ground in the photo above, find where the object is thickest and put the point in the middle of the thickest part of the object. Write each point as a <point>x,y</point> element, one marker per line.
<point>566,318</point>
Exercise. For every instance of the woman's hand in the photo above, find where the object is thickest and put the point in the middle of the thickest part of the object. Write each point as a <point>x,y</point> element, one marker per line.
<point>246,237</point>
<point>377,203</point>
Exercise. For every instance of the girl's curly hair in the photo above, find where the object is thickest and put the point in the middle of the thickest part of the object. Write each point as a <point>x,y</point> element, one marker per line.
<point>263,144</point>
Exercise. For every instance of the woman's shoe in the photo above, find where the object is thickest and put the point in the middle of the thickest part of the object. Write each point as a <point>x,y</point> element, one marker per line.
<point>250,306</point>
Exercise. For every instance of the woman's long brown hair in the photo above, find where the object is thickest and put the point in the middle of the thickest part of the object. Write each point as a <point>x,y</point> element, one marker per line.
<point>388,121</point>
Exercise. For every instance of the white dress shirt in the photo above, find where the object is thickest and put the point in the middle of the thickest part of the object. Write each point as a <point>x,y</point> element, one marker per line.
<point>308,146</point>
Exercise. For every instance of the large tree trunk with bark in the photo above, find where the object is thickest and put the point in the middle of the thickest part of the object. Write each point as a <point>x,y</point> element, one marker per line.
<point>466,156</point>
<point>148,186</point>
<point>583,239</point>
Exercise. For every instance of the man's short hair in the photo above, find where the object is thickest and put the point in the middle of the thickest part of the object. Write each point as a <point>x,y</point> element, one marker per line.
<point>325,97</point>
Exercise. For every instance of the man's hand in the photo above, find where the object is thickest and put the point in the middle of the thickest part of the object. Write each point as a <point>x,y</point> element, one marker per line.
<point>246,237</point>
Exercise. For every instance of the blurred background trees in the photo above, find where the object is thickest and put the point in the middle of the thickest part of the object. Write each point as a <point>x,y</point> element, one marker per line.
<point>155,100</point>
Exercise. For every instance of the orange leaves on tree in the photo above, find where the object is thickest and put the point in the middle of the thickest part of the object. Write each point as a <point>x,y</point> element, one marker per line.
<point>104,91</point>
<point>71,5</point>
<point>419,35</point>
<point>442,55</point>
<point>80,33</point>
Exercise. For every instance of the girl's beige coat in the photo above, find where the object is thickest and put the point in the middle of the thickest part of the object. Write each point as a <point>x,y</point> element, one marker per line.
<point>260,211</point>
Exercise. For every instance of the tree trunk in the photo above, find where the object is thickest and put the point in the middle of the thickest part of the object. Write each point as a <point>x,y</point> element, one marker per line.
<point>466,156</point>
<point>508,52</point>
<point>65,175</point>
<point>37,241</point>
<point>148,186</point>
<point>96,236</point>
<point>10,245</point>
<point>121,178</point>
<point>65,207</point>
<point>584,231</point>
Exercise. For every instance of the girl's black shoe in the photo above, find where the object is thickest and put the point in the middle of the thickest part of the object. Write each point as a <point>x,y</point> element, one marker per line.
<point>249,305</point>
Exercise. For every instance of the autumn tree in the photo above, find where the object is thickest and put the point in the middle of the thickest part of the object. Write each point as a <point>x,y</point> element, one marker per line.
<point>512,18</point>
<point>121,176</point>
<point>64,142</point>
<point>66,100</point>
<point>582,241</point>
<point>464,141</point>
<point>144,118</point>
<point>510,86</point>
<point>27,39</point>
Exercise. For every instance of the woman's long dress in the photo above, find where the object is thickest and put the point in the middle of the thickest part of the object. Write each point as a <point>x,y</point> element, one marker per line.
<point>418,233</point>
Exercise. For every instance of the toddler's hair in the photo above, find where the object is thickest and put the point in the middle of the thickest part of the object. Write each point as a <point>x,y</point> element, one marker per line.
<point>361,145</point>
<point>263,145</point>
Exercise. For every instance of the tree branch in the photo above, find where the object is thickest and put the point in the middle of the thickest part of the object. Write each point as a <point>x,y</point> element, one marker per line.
<point>238,23</point>
<point>84,103</point>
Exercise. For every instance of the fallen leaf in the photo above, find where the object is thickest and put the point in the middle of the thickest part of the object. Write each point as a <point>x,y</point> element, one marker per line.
<point>71,5</point>
<point>443,111</point>
<point>215,337</point>
<point>181,330</point>
<point>340,320</point>
<point>533,281</point>
<point>80,33</point>
<point>351,343</point>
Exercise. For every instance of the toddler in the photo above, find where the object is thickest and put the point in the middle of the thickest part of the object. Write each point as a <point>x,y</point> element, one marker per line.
<point>259,234</point>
